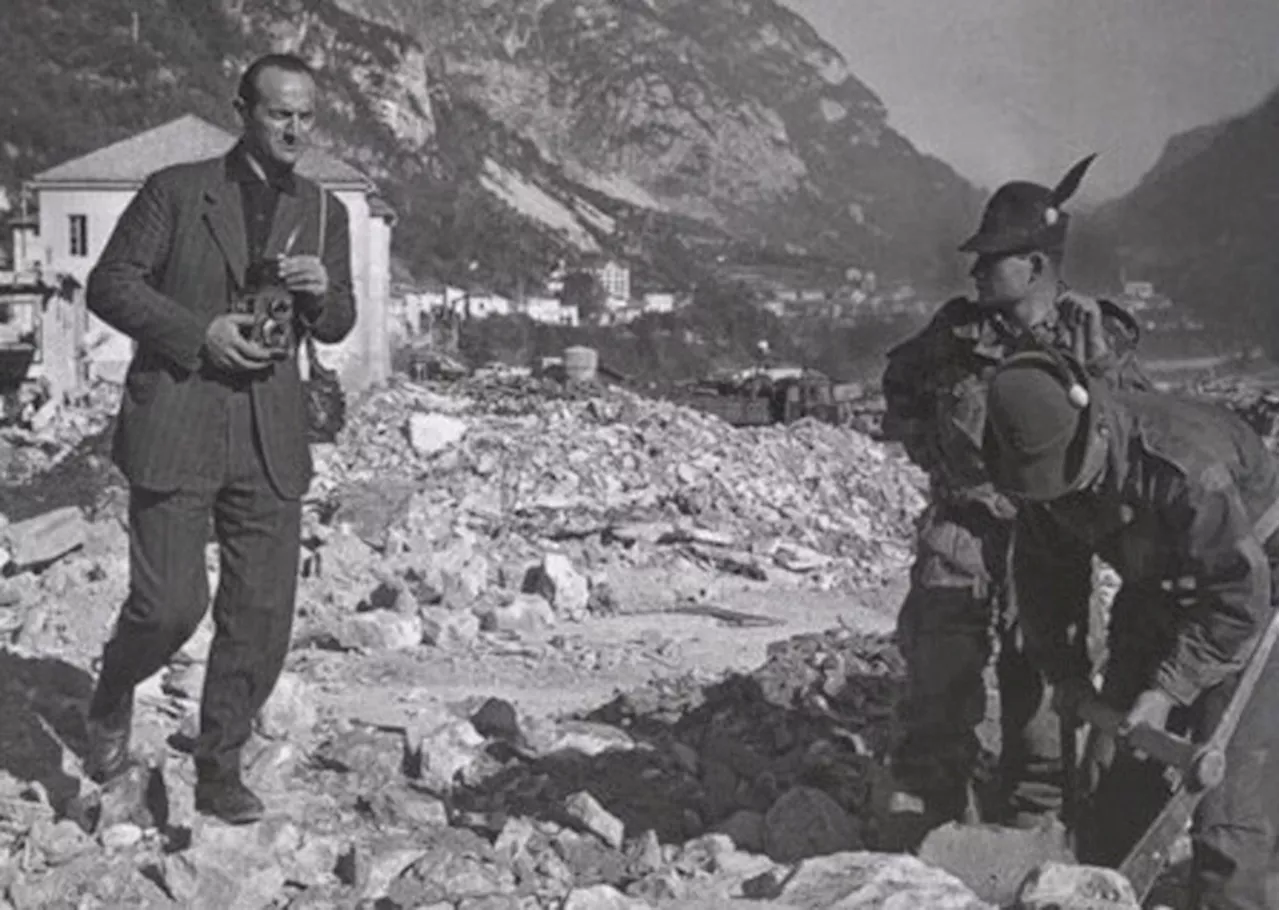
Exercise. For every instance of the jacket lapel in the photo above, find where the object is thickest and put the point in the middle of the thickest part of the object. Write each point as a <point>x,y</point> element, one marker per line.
<point>224,215</point>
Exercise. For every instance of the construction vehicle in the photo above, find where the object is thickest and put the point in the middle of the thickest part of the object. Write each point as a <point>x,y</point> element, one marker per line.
<point>760,397</point>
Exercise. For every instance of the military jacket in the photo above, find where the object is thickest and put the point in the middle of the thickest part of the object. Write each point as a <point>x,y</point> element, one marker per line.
<point>1185,512</point>
<point>935,387</point>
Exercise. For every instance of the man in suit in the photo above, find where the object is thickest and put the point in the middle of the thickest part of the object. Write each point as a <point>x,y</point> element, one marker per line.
<point>212,423</point>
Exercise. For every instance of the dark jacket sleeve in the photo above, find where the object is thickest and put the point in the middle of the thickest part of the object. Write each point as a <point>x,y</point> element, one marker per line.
<point>121,290</point>
<point>331,317</point>
<point>1231,599</point>
<point>1053,580</point>
<point>907,387</point>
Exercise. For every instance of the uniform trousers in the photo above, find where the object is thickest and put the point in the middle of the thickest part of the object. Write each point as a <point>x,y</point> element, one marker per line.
<point>957,606</point>
<point>258,534</point>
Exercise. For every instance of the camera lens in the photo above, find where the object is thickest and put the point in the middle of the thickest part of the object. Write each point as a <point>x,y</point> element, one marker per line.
<point>280,308</point>
<point>274,335</point>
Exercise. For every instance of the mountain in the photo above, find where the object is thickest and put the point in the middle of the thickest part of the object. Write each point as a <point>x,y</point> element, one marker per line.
<point>509,133</point>
<point>1202,224</point>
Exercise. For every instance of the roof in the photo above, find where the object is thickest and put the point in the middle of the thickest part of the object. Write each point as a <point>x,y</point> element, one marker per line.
<point>189,138</point>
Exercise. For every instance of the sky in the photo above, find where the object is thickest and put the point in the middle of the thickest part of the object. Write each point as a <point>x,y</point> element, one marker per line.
<point>1020,89</point>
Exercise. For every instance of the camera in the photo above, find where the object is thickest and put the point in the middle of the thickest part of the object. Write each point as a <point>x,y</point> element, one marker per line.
<point>271,304</point>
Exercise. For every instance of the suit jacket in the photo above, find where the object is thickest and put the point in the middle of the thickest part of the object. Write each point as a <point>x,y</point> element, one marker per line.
<point>170,268</point>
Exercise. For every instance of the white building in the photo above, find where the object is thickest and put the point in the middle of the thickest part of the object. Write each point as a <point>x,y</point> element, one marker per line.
<point>615,278</point>
<point>81,200</point>
<point>551,311</point>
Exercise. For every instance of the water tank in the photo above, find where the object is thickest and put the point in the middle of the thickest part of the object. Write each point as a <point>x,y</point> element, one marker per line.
<point>580,364</point>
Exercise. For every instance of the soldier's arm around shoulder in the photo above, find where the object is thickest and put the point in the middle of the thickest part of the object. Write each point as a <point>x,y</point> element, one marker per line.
<point>1052,582</point>
<point>1118,364</point>
<point>1227,578</point>
<point>907,376</point>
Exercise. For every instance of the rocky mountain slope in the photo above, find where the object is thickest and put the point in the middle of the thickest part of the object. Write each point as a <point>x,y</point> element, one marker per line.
<point>514,131</point>
<point>1202,224</point>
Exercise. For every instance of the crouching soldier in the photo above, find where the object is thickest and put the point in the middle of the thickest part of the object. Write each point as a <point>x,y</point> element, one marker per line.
<point>1180,498</point>
<point>935,391</point>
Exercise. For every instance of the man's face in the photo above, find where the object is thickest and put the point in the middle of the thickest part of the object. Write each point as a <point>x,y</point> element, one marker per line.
<point>279,122</point>
<point>1002,279</point>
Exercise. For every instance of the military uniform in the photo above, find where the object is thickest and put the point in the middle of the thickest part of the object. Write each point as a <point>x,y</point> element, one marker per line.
<point>1183,507</point>
<point>935,395</point>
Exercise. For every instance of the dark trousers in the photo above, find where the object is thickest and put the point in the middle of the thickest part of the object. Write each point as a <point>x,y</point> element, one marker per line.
<point>957,605</point>
<point>1235,826</point>
<point>258,534</point>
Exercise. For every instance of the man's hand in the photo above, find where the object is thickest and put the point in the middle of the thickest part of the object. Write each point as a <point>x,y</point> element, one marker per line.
<point>228,349</point>
<point>304,275</point>
<point>1152,708</point>
<point>1083,317</point>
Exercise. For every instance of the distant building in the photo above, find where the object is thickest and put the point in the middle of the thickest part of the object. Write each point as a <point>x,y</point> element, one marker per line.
<point>81,200</point>
<point>550,311</point>
<point>615,278</point>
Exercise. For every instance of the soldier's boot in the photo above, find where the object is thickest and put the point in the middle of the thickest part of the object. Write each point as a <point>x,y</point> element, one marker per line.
<point>109,728</point>
<point>222,794</point>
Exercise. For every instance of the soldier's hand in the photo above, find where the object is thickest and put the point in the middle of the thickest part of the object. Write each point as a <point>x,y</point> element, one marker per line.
<point>1099,754</point>
<point>304,275</point>
<point>1152,708</point>
<point>228,349</point>
<point>1083,317</point>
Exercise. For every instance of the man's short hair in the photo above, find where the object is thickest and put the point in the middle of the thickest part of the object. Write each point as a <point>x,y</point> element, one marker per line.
<point>290,63</point>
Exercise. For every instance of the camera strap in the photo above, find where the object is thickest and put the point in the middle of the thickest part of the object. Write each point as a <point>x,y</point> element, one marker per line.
<point>308,340</point>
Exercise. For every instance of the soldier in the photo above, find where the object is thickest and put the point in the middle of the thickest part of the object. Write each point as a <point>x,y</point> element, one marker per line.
<point>1179,497</point>
<point>935,388</point>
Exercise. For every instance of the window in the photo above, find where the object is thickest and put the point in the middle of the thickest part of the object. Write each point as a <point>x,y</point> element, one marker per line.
<point>79,235</point>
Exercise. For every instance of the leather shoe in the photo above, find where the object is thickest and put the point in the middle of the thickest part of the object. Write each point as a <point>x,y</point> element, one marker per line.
<point>108,756</point>
<point>228,799</point>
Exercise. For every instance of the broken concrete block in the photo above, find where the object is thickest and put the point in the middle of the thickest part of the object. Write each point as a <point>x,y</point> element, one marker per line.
<point>807,822</point>
<point>380,630</point>
<point>526,613</point>
<point>561,584</point>
<point>1059,886</point>
<point>290,712</point>
<point>602,897</point>
<point>870,880</point>
<point>46,537</point>
<point>432,433</point>
<point>584,808</point>
<point>445,628</point>
<point>994,860</point>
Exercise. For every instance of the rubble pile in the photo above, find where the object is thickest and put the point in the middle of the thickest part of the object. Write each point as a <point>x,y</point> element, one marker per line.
<point>55,432</point>
<point>515,461</point>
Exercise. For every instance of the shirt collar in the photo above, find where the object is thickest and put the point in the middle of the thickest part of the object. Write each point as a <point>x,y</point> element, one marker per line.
<point>241,170</point>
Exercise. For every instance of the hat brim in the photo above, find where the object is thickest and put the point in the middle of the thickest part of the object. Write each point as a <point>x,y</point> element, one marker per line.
<point>988,244</point>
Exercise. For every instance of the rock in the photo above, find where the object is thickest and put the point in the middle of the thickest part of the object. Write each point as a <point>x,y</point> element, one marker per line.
<point>446,628</point>
<point>432,433</point>
<point>525,613</point>
<point>45,537</point>
<point>745,829</point>
<point>497,719</point>
<point>184,681</point>
<point>991,859</point>
<point>601,897</point>
<point>59,842</point>
<point>584,809</point>
<point>796,558</point>
<point>138,797</point>
<point>1058,886</point>
<point>873,881</point>
<point>463,573</point>
<point>559,582</point>
<point>440,754</point>
<point>196,648</point>
<point>644,854</point>
<point>514,837</point>
<point>380,630</point>
<point>290,712</point>
<point>270,766</point>
<point>121,837</point>
<point>807,822</point>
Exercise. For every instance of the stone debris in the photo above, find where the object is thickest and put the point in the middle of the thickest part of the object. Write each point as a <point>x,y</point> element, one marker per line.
<point>432,433</point>
<point>870,881</point>
<point>807,822</point>
<point>1059,886</point>
<point>585,809</point>
<point>44,538</point>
